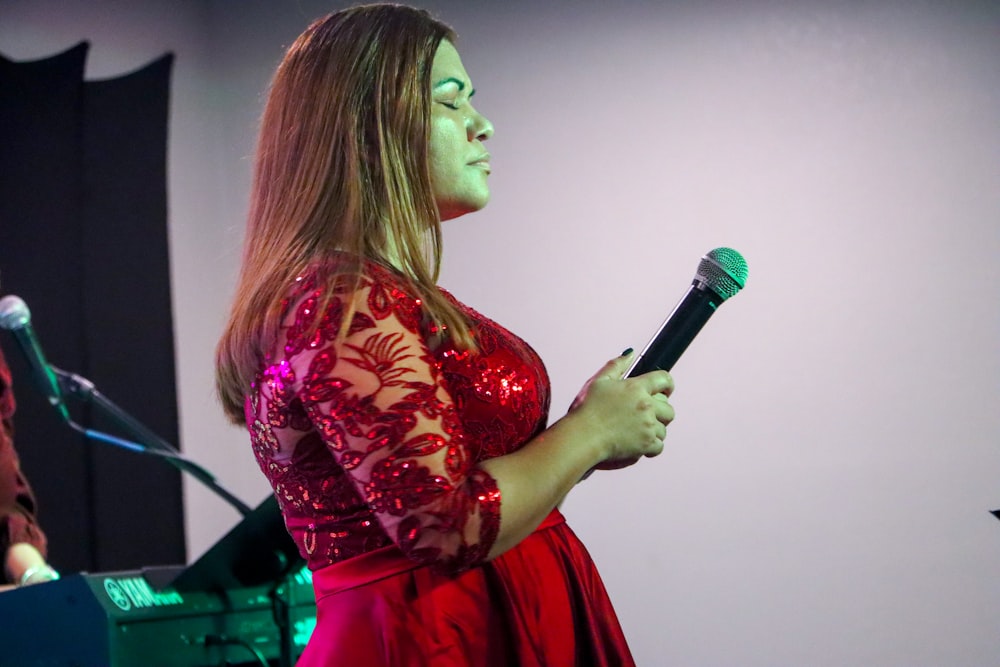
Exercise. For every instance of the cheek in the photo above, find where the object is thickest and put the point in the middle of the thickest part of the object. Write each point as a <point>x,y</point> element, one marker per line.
<point>447,139</point>
<point>438,159</point>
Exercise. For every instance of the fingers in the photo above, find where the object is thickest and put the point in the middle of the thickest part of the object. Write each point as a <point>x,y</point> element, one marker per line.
<point>615,368</point>
<point>657,382</point>
<point>632,412</point>
<point>657,447</point>
<point>663,410</point>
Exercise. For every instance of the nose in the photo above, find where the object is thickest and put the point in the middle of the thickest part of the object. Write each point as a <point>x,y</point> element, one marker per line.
<point>480,127</point>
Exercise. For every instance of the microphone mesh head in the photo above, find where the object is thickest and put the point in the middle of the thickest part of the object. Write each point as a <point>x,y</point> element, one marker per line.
<point>724,271</point>
<point>14,313</point>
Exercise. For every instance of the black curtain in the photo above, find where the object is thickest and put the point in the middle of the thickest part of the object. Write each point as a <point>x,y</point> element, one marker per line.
<point>83,240</point>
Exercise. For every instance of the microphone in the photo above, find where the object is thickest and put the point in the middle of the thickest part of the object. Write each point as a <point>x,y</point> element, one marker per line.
<point>721,274</point>
<point>16,318</point>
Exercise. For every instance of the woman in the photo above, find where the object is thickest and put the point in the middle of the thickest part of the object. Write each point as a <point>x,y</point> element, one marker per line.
<point>22,543</point>
<point>403,432</point>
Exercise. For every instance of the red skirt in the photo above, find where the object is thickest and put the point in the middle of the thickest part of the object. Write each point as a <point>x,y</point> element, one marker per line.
<point>540,604</point>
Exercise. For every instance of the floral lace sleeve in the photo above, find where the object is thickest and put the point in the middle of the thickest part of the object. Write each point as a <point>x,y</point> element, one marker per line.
<point>377,399</point>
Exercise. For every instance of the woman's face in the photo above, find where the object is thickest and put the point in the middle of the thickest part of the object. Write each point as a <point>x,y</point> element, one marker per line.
<point>459,163</point>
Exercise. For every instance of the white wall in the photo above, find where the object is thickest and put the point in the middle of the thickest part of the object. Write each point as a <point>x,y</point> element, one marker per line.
<point>824,495</point>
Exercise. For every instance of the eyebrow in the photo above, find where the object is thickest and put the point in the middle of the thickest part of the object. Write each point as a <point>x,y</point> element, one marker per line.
<point>458,82</point>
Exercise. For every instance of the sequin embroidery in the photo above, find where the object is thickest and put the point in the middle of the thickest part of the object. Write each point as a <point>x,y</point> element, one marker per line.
<point>374,439</point>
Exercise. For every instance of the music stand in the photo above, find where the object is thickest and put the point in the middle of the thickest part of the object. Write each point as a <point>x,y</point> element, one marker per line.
<point>257,551</point>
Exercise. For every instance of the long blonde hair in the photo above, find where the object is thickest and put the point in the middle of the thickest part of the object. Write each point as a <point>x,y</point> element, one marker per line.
<point>341,167</point>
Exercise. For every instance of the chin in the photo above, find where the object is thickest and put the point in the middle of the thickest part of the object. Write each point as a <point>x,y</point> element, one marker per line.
<point>458,209</point>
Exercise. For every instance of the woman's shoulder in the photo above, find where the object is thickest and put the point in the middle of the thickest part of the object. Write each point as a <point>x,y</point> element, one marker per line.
<point>343,275</point>
<point>344,283</point>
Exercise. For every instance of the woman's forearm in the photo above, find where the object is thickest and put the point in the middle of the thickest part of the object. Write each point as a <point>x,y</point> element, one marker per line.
<point>534,479</point>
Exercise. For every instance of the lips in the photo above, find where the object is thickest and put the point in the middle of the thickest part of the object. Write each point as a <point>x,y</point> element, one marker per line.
<point>482,161</point>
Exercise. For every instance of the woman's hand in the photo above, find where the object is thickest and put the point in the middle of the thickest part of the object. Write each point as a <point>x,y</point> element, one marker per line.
<point>25,565</point>
<point>628,416</point>
<point>612,423</point>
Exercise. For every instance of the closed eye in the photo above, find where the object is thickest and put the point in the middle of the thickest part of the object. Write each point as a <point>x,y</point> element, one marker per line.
<point>453,89</point>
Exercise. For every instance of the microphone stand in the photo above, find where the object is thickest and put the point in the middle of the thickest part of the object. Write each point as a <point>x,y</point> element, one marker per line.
<point>148,442</point>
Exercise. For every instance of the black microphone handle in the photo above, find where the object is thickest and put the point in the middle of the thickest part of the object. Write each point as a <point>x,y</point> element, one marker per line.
<point>677,331</point>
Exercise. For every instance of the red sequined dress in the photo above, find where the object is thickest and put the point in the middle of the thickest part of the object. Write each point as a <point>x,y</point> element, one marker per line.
<point>371,444</point>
